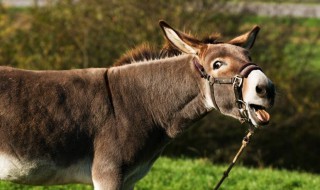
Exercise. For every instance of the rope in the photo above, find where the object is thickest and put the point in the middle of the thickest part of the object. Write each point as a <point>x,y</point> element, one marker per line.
<point>245,142</point>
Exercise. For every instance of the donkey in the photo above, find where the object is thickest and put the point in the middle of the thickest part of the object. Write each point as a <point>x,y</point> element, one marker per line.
<point>106,127</point>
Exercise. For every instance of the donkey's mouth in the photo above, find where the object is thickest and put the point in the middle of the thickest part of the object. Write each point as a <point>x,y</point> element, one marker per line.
<point>258,114</point>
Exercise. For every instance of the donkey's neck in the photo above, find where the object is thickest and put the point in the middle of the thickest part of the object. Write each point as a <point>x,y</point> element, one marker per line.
<point>168,93</point>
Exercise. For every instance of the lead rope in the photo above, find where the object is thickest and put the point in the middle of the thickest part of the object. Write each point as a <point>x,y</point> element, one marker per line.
<point>245,142</point>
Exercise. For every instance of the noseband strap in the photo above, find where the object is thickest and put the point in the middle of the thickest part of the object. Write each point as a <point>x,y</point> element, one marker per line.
<point>236,81</point>
<point>246,69</point>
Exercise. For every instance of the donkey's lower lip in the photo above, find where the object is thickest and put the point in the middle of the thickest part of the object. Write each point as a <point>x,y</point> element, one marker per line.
<point>259,114</point>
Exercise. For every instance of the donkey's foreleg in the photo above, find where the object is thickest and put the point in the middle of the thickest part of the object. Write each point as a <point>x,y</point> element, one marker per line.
<point>106,176</point>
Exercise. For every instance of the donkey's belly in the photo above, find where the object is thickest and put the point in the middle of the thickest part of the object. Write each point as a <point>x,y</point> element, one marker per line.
<point>43,172</point>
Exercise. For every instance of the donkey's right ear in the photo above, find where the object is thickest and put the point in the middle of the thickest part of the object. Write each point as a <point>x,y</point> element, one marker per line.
<point>246,40</point>
<point>181,41</point>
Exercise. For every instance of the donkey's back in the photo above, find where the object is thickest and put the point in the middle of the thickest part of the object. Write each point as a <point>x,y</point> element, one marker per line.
<point>47,123</point>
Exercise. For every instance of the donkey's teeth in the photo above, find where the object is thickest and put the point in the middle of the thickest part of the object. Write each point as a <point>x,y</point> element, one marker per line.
<point>262,115</point>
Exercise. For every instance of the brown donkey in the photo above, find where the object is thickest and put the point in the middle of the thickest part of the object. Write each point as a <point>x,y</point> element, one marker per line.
<point>106,127</point>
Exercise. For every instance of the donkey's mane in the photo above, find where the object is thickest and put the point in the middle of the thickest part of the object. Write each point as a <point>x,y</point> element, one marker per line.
<point>145,52</point>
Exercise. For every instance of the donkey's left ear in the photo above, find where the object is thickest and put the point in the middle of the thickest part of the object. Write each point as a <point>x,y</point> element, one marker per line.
<point>180,40</point>
<point>246,40</point>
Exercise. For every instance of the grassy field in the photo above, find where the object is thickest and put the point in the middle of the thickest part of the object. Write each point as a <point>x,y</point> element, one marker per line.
<point>200,174</point>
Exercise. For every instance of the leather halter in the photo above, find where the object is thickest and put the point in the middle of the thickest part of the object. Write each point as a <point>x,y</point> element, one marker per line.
<point>236,81</point>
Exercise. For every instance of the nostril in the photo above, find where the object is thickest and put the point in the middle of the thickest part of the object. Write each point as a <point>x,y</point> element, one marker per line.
<point>261,90</point>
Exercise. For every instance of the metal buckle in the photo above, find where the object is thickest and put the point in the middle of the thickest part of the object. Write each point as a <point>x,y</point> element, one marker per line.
<point>243,112</point>
<point>244,116</point>
<point>243,104</point>
<point>211,80</point>
<point>238,81</point>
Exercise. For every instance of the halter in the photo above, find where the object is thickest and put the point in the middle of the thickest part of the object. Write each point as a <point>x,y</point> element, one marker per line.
<point>236,81</point>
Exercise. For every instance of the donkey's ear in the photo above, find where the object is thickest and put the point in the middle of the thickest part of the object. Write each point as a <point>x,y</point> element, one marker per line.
<point>246,40</point>
<point>181,41</point>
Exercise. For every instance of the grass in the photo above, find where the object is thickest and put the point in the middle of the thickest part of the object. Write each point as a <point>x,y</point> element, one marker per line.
<point>200,174</point>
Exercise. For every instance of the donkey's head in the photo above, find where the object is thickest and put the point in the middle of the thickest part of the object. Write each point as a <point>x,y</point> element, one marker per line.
<point>239,88</point>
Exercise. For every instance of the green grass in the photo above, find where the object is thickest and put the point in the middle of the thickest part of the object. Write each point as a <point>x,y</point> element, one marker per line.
<point>198,174</point>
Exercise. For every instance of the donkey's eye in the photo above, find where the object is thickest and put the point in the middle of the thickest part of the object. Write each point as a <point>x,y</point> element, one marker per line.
<point>217,64</point>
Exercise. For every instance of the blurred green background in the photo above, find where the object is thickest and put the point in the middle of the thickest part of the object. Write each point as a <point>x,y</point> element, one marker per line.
<point>78,34</point>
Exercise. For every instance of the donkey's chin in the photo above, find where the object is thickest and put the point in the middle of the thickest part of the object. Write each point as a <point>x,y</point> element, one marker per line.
<point>258,114</point>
